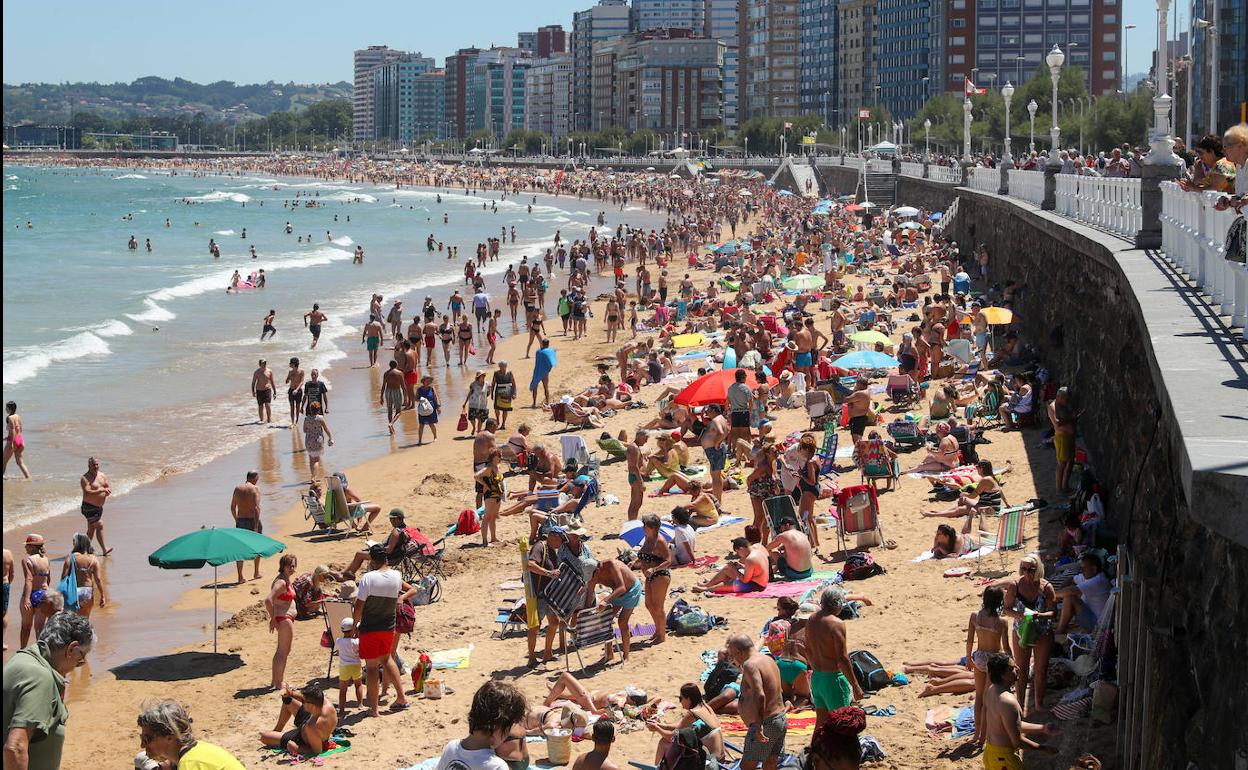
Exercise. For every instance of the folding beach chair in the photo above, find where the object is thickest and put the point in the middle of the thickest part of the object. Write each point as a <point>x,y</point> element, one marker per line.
<point>857,511</point>
<point>876,466</point>
<point>322,520</point>
<point>1009,535</point>
<point>781,508</point>
<point>901,389</point>
<point>819,408</point>
<point>511,618</point>
<point>574,448</point>
<point>335,612</point>
<point>592,628</point>
<point>906,434</point>
<point>984,411</point>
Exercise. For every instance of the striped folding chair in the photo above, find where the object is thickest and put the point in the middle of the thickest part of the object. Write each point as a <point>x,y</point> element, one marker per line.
<point>592,627</point>
<point>1009,535</point>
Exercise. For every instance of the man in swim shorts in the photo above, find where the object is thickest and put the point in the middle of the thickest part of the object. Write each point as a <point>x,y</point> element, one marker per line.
<point>313,320</point>
<point>636,484</point>
<point>858,403</point>
<point>1005,731</point>
<point>245,508</point>
<point>832,681</point>
<point>392,394</point>
<point>791,552</point>
<point>95,490</point>
<point>262,388</point>
<point>372,339</point>
<point>626,594</point>
<point>294,390</point>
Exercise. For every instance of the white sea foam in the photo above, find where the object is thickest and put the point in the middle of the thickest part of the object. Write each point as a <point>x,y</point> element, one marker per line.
<point>152,314</point>
<point>12,177</point>
<point>224,232</point>
<point>25,362</point>
<point>131,176</point>
<point>343,240</point>
<point>111,328</point>
<point>348,196</point>
<point>11,187</point>
<point>218,280</point>
<point>220,195</point>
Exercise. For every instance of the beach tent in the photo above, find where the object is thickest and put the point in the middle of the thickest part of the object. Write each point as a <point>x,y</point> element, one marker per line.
<point>216,547</point>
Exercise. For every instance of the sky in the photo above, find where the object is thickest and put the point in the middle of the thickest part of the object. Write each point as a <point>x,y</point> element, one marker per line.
<point>306,42</point>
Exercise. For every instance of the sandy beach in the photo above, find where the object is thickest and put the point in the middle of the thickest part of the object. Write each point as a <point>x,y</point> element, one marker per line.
<point>916,614</point>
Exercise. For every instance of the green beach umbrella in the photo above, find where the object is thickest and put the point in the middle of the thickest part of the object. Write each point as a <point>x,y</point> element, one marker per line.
<point>804,282</point>
<point>216,547</point>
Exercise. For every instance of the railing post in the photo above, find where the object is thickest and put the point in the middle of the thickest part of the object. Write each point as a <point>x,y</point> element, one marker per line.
<point>926,174</point>
<point>1149,235</point>
<point>1004,187</point>
<point>1051,169</point>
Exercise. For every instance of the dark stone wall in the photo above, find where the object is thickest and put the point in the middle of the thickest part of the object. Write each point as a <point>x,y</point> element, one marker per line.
<point>1191,585</point>
<point>924,193</point>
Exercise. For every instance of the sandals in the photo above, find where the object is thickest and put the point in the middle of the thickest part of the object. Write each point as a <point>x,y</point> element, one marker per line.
<point>890,544</point>
<point>875,711</point>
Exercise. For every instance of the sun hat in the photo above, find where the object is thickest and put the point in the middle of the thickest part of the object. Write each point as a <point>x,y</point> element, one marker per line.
<point>34,539</point>
<point>575,528</point>
<point>347,624</point>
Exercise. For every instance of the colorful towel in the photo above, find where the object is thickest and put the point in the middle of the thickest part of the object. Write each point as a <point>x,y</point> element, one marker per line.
<point>456,658</point>
<point>698,563</point>
<point>340,745</point>
<point>776,590</point>
<point>800,723</point>
<point>725,521</point>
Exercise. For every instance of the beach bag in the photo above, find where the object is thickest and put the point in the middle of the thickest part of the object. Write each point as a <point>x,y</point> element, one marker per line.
<point>860,566</point>
<point>695,621</point>
<point>434,688</point>
<point>68,587</point>
<point>428,591</point>
<point>1237,241</point>
<point>420,672</point>
<point>467,524</point>
<point>404,618</point>
<point>685,752</point>
<point>723,674</point>
<point>869,671</point>
<point>423,407</point>
<point>1027,631</point>
<point>462,425</point>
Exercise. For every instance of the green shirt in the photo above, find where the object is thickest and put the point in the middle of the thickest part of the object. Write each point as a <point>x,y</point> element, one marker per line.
<point>34,697</point>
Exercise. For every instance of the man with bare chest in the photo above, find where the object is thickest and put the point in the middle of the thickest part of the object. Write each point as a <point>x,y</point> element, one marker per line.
<point>294,390</point>
<point>262,388</point>
<point>761,704</point>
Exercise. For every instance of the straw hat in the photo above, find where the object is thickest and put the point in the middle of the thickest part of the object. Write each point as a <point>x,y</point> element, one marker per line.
<point>34,539</point>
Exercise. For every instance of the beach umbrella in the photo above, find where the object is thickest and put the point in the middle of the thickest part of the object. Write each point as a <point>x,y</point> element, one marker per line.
<point>216,547</point>
<point>906,211</point>
<point>909,226</point>
<point>997,316</point>
<point>853,207</point>
<point>866,359</point>
<point>869,337</point>
<point>713,388</point>
<point>936,216</point>
<point>634,533</point>
<point>846,198</point>
<point>649,168</point>
<point>803,282</point>
<point>744,191</point>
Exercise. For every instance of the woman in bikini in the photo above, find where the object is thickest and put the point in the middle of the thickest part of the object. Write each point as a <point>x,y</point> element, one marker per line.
<point>491,480</point>
<point>761,484</point>
<point>1030,591</point>
<point>14,444</point>
<point>280,605</point>
<point>987,493</point>
<point>613,320</point>
<point>698,715</point>
<point>446,333</point>
<point>86,575</point>
<point>654,560</point>
<point>808,483</point>
<point>986,633</point>
<point>315,432</point>
<point>491,335</point>
<point>35,570</point>
<point>464,333</point>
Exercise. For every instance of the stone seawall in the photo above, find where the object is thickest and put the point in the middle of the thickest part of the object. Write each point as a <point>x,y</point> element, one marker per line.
<point>1095,309</point>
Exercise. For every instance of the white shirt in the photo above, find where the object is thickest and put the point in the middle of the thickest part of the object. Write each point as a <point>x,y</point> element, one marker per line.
<point>1095,591</point>
<point>684,535</point>
<point>348,650</point>
<point>456,757</point>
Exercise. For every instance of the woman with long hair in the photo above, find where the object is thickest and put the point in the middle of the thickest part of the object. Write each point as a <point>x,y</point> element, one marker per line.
<point>87,574</point>
<point>280,604</point>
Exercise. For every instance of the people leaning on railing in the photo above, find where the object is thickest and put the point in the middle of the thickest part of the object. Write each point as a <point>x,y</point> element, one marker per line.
<point>1235,147</point>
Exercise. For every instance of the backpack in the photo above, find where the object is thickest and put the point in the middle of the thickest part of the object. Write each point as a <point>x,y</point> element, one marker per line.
<point>685,619</point>
<point>685,752</point>
<point>404,618</point>
<point>723,674</point>
<point>423,407</point>
<point>860,566</point>
<point>868,671</point>
<point>468,523</point>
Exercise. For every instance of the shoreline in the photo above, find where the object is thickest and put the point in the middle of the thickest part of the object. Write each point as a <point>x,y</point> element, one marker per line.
<point>134,589</point>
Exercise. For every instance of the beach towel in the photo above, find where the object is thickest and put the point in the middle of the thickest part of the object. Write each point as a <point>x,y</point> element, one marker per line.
<point>543,364</point>
<point>638,629</point>
<point>698,563</point>
<point>338,746</point>
<point>981,551</point>
<point>800,723</point>
<point>456,658</point>
<point>776,590</point>
<point>429,764</point>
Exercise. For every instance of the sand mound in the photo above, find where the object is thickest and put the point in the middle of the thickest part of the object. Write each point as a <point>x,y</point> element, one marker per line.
<point>439,485</point>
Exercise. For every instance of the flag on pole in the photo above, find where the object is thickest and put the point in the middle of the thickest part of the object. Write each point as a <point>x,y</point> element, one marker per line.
<point>864,113</point>
<point>971,90</point>
<point>787,125</point>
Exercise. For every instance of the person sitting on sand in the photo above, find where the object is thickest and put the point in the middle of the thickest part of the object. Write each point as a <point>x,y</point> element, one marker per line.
<point>580,490</point>
<point>668,461</point>
<point>944,457</point>
<point>597,758</point>
<point>987,493</point>
<point>315,721</point>
<point>751,574</point>
<point>791,553</point>
<point>698,715</point>
<point>684,538</point>
<point>948,542</point>
<point>166,736</point>
<point>496,707</point>
<point>395,546</point>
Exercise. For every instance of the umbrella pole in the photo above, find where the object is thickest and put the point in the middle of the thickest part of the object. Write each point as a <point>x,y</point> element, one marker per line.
<point>214,609</point>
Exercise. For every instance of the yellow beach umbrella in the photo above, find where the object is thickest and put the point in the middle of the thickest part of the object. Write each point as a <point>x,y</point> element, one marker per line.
<point>530,598</point>
<point>997,315</point>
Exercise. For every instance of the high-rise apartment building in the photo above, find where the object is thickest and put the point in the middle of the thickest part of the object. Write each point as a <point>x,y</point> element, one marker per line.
<point>855,31</point>
<point>527,42</point>
<point>365,60</point>
<point>398,114</point>
<point>723,24</point>
<point>455,100</point>
<point>494,91</point>
<point>666,80</point>
<point>607,19</point>
<point>901,47</point>
<point>1230,20</point>
<point>548,96</point>
<point>817,91</point>
<point>551,39</point>
<point>769,69</point>
<point>669,14</point>
<point>1008,39</point>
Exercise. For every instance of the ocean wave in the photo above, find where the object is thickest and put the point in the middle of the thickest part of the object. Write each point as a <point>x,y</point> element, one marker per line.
<point>224,232</point>
<point>130,176</point>
<point>218,280</point>
<point>348,196</point>
<point>152,314</point>
<point>21,364</point>
<point>111,328</point>
<point>342,240</point>
<point>12,177</point>
<point>11,187</point>
<point>219,195</point>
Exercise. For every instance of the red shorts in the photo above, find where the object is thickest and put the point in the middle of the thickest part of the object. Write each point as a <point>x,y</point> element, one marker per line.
<point>411,378</point>
<point>376,644</point>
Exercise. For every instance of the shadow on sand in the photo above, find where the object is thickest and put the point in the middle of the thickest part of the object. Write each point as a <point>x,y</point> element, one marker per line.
<point>177,667</point>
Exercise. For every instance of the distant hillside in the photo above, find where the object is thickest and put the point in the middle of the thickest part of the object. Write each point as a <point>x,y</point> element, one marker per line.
<point>157,97</point>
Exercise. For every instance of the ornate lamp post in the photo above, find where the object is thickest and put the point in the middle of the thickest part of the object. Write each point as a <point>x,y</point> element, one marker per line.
<point>1162,153</point>
<point>1055,59</point>
<point>1007,92</point>
<point>966,129</point>
<point>927,145</point>
<point>1031,109</point>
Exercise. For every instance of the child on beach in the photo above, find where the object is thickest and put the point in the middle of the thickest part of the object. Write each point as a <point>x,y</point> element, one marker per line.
<point>348,647</point>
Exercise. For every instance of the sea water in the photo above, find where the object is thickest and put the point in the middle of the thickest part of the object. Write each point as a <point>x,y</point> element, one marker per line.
<point>144,360</point>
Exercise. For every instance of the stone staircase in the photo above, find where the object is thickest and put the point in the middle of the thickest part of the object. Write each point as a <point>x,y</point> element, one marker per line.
<point>881,188</point>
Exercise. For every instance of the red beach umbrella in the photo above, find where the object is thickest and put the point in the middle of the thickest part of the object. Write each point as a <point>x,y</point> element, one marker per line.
<point>713,388</point>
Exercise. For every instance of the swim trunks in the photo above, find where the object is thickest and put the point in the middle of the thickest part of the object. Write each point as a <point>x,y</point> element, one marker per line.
<point>245,524</point>
<point>774,729</point>
<point>804,360</point>
<point>857,425</point>
<point>717,457</point>
<point>739,419</point>
<point>294,396</point>
<point>830,690</point>
<point>394,398</point>
<point>264,396</point>
<point>1001,758</point>
<point>316,331</point>
<point>373,343</point>
<point>376,644</point>
<point>349,672</point>
<point>92,513</point>
<point>1064,446</point>
<point>630,598</point>
<point>791,574</point>
<point>411,378</point>
<point>268,328</point>
<point>6,598</point>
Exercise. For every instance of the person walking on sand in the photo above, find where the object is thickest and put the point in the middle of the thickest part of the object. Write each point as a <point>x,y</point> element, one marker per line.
<point>14,443</point>
<point>315,434</point>
<point>245,508</point>
<point>262,387</point>
<point>86,574</point>
<point>392,394</point>
<point>428,409</point>
<point>376,603</point>
<point>313,320</point>
<point>371,337</point>
<point>36,580</point>
<point>95,490</point>
<point>760,705</point>
<point>654,561</point>
<point>543,365</point>
<point>832,681</point>
<point>294,390</point>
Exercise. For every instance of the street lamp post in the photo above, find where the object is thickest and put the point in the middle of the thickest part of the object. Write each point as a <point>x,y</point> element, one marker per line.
<point>1031,110</point>
<point>966,128</point>
<point>927,145</point>
<point>1126,54</point>
<point>1211,29</point>
<point>1055,59</point>
<point>1162,153</point>
<point>1007,93</point>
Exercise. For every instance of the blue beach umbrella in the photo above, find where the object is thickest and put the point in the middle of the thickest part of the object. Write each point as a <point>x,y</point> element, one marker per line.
<point>634,533</point>
<point>866,359</point>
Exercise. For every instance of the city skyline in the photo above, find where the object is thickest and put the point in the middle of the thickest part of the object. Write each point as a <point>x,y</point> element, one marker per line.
<point>250,52</point>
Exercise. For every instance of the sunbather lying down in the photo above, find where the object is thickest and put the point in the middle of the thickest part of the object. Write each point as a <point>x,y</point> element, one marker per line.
<point>540,718</point>
<point>943,677</point>
<point>568,689</point>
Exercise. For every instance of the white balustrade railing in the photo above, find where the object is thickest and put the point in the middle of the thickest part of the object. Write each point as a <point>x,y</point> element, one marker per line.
<point>1067,195</point>
<point>948,174</point>
<point>880,166</point>
<point>1027,185</point>
<point>984,179</point>
<point>856,163</point>
<point>1193,236</point>
<point>909,168</point>
<point>1108,202</point>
